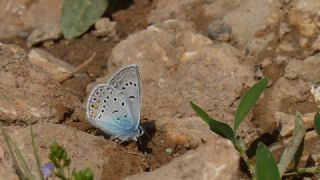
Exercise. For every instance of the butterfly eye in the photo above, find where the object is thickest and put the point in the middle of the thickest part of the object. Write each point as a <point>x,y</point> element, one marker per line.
<point>115,99</point>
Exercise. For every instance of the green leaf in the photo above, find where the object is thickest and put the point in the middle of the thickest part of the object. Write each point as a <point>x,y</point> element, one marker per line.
<point>292,148</point>
<point>59,156</point>
<point>85,174</point>
<point>78,15</point>
<point>266,167</point>
<point>220,128</point>
<point>248,100</point>
<point>317,123</point>
<point>298,154</point>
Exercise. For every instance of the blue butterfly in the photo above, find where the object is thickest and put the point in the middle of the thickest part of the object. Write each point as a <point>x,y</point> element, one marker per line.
<point>114,107</point>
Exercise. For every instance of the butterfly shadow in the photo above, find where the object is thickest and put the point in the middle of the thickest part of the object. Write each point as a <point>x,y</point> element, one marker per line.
<point>149,132</point>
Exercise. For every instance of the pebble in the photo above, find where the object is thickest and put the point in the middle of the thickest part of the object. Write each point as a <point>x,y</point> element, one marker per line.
<point>105,28</point>
<point>169,150</point>
<point>218,30</point>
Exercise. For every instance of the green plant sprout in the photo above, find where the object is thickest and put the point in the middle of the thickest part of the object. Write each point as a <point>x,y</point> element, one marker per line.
<point>77,16</point>
<point>59,157</point>
<point>56,168</point>
<point>265,167</point>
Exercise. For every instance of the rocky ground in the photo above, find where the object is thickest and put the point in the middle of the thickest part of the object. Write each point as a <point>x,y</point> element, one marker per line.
<point>207,51</point>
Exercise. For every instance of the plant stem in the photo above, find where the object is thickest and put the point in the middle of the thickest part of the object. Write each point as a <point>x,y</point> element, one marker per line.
<point>78,68</point>
<point>308,170</point>
<point>242,150</point>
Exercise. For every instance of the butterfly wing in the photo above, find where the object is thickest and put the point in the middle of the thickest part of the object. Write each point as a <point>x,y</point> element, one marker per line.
<point>108,110</point>
<point>127,81</point>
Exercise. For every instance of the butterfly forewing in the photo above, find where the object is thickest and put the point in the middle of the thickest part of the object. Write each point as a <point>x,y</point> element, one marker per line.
<point>127,81</point>
<point>108,110</point>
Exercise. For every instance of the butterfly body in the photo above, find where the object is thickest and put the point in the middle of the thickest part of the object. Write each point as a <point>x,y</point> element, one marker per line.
<point>114,107</point>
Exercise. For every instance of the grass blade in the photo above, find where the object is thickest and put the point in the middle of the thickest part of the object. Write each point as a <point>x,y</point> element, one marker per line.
<point>266,166</point>
<point>248,100</point>
<point>36,154</point>
<point>220,128</point>
<point>292,148</point>
<point>317,123</point>
<point>78,15</point>
<point>15,161</point>
<point>20,163</point>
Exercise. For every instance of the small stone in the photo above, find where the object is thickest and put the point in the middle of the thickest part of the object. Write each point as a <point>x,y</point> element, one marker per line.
<point>258,73</point>
<point>1,153</point>
<point>316,44</point>
<point>303,22</point>
<point>105,28</point>
<point>291,75</point>
<point>286,122</point>
<point>284,29</point>
<point>285,46</point>
<point>303,42</point>
<point>265,63</point>
<point>281,59</point>
<point>169,150</point>
<point>45,33</point>
<point>316,20</point>
<point>220,31</point>
<point>315,90</point>
<point>49,63</point>
<point>285,1</point>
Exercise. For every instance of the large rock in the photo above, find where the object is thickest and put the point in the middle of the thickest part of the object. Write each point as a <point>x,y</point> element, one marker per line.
<point>20,17</point>
<point>305,69</point>
<point>85,150</point>
<point>172,138</point>
<point>178,65</point>
<point>308,6</point>
<point>304,16</point>
<point>254,23</point>
<point>218,160</point>
<point>30,93</point>
<point>170,9</point>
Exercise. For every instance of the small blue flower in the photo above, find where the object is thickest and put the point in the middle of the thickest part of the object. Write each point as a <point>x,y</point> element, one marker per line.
<point>47,169</point>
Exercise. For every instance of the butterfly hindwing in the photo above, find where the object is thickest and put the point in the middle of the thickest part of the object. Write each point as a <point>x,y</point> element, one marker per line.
<point>127,81</point>
<point>108,110</point>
